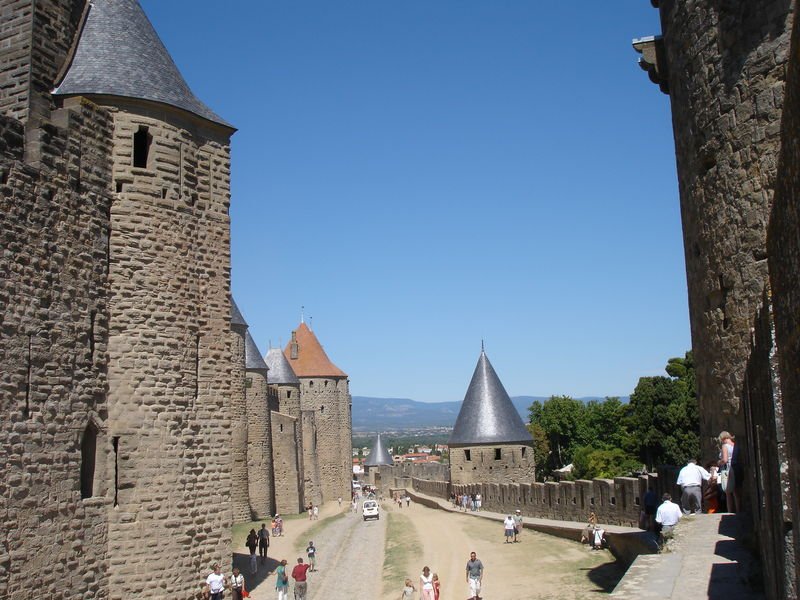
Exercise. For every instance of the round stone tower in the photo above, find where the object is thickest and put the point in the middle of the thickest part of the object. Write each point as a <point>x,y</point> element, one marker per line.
<point>489,443</point>
<point>169,346</point>
<point>259,442</point>
<point>238,405</point>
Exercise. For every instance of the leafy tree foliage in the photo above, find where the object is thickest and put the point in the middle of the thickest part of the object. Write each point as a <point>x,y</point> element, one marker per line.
<point>660,425</point>
<point>541,450</point>
<point>663,415</point>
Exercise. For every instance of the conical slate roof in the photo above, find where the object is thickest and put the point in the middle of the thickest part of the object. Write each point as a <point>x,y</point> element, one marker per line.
<point>487,415</point>
<point>237,320</point>
<point>120,54</point>
<point>379,455</point>
<point>311,359</point>
<point>280,371</point>
<point>252,357</point>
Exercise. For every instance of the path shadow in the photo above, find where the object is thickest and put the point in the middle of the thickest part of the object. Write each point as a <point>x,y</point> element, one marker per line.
<point>251,582</point>
<point>606,576</point>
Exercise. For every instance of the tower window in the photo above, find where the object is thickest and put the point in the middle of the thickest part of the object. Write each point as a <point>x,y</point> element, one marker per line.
<point>141,147</point>
<point>281,426</point>
<point>467,455</point>
<point>523,451</point>
<point>288,393</point>
<point>497,454</point>
<point>88,451</point>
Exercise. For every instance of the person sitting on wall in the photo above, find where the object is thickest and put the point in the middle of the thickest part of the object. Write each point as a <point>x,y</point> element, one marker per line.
<point>667,517</point>
<point>587,535</point>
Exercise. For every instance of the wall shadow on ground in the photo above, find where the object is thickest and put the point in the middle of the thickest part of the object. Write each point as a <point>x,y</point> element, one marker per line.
<point>251,582</point>
<point>606,576</point>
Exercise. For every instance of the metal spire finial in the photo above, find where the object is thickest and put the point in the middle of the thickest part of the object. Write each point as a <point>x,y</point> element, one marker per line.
<point>302,314</point>
<point>481,345</point>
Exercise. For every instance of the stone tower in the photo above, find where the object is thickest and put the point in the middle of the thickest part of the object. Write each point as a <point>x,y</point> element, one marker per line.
<point>259,440</point>
<point>287,439</point>
<point>489,443</point>
<point>325,407</point>
<point>169,351</point>
<point>240,503</point>
<point>116,344</point>
<point>725,67</point>
<point>378,457</point>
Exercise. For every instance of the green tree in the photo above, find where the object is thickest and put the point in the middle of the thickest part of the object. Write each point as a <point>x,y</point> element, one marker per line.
<point>663,416</point>
<point>541,450</point>
<point>606,426</point>
<point>563,420</point>
<point>606,463</point>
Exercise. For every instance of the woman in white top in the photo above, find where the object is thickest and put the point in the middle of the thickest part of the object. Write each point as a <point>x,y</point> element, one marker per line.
<point>426,584</point>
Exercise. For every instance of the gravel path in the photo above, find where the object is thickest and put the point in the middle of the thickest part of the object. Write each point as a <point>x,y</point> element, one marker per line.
<point>350,560</point>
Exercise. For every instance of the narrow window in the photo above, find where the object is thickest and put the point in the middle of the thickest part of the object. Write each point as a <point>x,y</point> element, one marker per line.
<point>119,187</point>
<point>523,451</point>
<point>467,455</point>
<point>322,409</point>
<point>88,451</point>
<point>28,379</point>
<point>310,384</point>
<point>115,444</point>
<point>497,454</point>
<point>92,320</point>
<point>141,147</point>
<point>288,393</point>
<point>196,366</point>
<point>326,383</point>
<point>281,426</point>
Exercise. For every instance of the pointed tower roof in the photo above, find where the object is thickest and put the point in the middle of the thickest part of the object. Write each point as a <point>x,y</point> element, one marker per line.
<point>310,359</point>
<point>379,455</point>
<point>252,357</point>
<point>280,371</point>
<point>487,415</point>
<point>120,54</point>
<point>237,320</point>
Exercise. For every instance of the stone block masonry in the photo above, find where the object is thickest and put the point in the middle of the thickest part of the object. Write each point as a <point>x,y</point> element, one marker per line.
<point>259,447</point>
<point>286,461</point>
<point>240,496</point>
<point>54,494</point>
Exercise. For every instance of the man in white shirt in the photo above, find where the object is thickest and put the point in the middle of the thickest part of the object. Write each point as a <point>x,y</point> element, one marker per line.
<point>216,584</point>
<point>667,516</point>
<point>691,479</point>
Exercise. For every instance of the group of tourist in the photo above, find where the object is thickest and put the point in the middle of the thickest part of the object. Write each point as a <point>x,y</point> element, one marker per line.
<point>313,511</point>
<point>467,502</point>
<point>430,586</point>
<point>401,499</point>
<point>513,527</point>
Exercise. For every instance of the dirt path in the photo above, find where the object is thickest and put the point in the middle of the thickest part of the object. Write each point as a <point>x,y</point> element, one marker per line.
<point>538,567</point>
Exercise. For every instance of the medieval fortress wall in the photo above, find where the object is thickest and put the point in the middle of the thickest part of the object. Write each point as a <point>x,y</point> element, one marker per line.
<point>725,67</point>
<point>132,427</point>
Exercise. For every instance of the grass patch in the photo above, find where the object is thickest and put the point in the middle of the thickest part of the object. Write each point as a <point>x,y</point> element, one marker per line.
<point>313,532</point>
<point>401,541</point>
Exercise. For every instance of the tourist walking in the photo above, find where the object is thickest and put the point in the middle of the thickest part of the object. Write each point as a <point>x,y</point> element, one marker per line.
<point>474,576</point>
<point>282,581</point>
<point>316,512</point>
<point>477,501</point>
<point>517,524</point>
<point>263,542</point>
<point>237,584</point>
<point>408,590</point>
<point>299,574</point>
<point>426,584</point>
<point>727,474</point>
<point>436,586</point>
<point>215,583</point>
<point>252,544</point>
<point>508,525</point>
<point>311,552</point>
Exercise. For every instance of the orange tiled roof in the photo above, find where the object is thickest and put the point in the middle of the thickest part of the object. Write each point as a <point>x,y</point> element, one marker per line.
<point>311,359</point>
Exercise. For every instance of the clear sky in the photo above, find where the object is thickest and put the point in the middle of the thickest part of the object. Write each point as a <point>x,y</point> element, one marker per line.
<point>424,174</point>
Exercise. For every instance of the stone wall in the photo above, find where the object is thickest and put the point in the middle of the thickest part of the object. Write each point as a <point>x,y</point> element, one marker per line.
<point>784,265</point>
<point>312,492</point>
<point>240,492</point>
<point>492,464</point>
<point>286,458</point>
<point>329,399</point>
<point>54,435</point>
<point>615,501</point>
<point>170,354</point>
<point>259,446</point>
<point>725,67</point>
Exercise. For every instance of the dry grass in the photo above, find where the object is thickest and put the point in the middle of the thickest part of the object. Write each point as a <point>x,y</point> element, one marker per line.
<point>401,541</point>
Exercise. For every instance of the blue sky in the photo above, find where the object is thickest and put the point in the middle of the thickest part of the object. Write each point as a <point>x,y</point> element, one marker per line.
<point>421,175</point>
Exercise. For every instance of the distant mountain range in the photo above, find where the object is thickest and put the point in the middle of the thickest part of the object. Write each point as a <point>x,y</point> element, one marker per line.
<point>392,414</point>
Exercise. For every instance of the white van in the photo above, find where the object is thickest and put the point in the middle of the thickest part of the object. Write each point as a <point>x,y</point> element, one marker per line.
<point>370,510</point>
